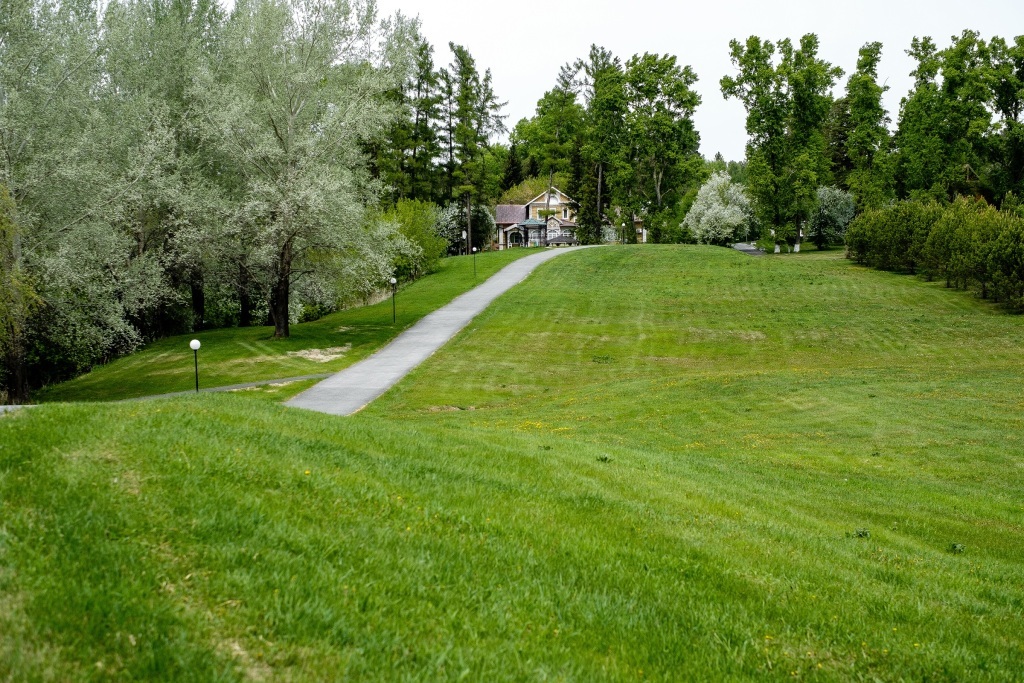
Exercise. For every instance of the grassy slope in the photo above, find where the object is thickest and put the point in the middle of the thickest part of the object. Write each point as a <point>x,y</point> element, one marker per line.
<point>662,476</point>
<point>237,355</point>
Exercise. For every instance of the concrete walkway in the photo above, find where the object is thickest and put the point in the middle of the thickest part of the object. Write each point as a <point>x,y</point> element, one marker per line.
<point>356,386</point>
<point>748,249</point>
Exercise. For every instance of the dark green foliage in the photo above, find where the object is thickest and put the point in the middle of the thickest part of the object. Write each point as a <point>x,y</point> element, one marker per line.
<point>867,142</point>
<point>892,238</point>
<point>547,138</point>
<point>405,155</point>
<point>969,245</point>
<point>788,105</point>
<point>629,150</point>
<point>513,174</point>
<point>737,171</point>
<point>662,140</point>
<point>945,122</point>
<point>1007,145</point>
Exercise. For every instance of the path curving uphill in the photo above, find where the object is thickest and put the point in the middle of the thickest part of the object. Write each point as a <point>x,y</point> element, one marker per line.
<point>356,386</point>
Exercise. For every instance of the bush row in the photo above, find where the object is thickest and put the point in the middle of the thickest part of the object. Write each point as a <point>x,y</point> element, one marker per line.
<point>969,244</point>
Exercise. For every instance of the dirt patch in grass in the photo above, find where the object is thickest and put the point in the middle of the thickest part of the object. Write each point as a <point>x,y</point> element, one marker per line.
<point>253,670</point>
<point>322,355</point>
<point>710,334</point>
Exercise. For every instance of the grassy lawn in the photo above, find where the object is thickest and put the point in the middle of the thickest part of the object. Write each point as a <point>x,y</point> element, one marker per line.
<point>644,463</point>
<point>238,355</point>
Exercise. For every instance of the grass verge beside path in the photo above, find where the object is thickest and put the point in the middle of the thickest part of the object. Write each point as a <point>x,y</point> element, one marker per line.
<point>651,463</point>
<point>237,355</point>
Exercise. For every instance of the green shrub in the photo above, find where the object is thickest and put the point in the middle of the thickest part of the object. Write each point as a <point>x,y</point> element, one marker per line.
<point>969,243</point>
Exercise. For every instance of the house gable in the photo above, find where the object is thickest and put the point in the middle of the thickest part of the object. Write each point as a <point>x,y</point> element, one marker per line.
<point>559,203</point>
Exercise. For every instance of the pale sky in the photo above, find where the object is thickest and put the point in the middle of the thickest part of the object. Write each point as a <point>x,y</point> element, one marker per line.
<point>524,42</point>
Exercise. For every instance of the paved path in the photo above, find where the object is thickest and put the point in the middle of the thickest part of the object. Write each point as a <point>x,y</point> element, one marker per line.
<point>357,385</point>
<point>748,249</point>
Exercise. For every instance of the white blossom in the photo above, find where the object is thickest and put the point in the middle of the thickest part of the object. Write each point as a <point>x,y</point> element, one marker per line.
<point>721,213</point>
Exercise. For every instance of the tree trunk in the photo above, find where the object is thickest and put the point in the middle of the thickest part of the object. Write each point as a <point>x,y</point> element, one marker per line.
<point>469,224</point>
<point>198,300</point>
<point>280,292</point>
<point>245,301</point>
<point>547,202</point>
<point>16,379</point>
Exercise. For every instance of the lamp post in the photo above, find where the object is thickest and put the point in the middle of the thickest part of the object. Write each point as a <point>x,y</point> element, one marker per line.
<point>394,288</point>
<point>194,345</point>
<point>474,263</point>
<point>622,240</point>
<point>464,240</point>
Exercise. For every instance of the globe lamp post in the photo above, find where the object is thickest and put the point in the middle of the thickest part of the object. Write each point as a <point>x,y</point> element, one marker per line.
<point>474,263</point>
<point>394,289</point>
<point>464,240</point>
<point>194,345</point>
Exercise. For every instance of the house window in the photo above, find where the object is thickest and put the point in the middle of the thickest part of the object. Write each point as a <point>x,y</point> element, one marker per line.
<point>565,213</point>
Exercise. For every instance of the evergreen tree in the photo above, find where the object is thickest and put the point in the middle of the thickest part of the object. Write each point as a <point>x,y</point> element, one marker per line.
<point>425,104</point>
<point>513,173</point>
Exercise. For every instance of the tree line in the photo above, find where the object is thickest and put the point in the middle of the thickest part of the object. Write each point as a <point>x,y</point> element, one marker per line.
<point>958,133</point>
<point>167,166</point>
<point>620,138</point>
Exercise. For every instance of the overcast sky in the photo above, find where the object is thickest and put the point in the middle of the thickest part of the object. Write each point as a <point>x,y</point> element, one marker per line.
<point>524,42</point>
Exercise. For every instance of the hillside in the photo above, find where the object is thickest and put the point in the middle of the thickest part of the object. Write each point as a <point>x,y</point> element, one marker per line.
<point>642,463</point>
<point>238,355</point>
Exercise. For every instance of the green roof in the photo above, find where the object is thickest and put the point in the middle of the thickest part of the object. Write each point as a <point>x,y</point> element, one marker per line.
<point>533,223</point>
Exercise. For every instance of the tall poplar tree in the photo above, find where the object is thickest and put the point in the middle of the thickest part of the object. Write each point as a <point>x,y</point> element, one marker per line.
<point>867,141</point>
<point>661,137</point>
<point>1007,145</point>
<point>788,102</point>
<point>945,122</point>
<point>603,148</point>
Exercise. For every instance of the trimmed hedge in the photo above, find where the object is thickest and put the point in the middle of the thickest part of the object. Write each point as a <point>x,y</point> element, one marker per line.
<point>969,244</point>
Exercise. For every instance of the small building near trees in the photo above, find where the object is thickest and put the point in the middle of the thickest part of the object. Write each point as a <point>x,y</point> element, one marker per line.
<point>546,220</point>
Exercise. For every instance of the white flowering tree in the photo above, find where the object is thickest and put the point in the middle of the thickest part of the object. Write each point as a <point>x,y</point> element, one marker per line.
<point>300,85</point>
<point>835,209</point>
<point>452,221</point>
<point>721,214</point>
